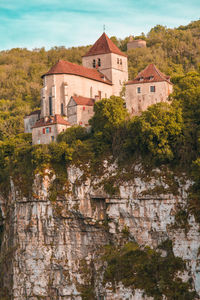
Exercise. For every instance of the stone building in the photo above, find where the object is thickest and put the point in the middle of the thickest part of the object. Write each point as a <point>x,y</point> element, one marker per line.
<point>132,44</point>
<point>70,90</point>
<point>102,74</point>
<point>80,110</point>
<point>47,129</point>
<point>149,87</point>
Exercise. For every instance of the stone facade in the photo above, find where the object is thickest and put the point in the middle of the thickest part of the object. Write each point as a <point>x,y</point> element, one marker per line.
<point>149,87</point>
<point>55,243</point>
<point>47,129</point>
<point>139,102</point>
<point>30,120</point>
<point>79,112</point>
<point>61,87</point>
<point>132,44</point>
<point>113,66</point>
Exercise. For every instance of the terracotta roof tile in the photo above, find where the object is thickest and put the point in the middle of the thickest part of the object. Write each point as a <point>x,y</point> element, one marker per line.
<point>83,101</point>
<point>104,45</point>
<point>150,74</point>
<point>65,67</point>
<point>57,119</point>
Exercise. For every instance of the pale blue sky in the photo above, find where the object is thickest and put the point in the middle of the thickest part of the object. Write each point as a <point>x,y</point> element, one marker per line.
<point>48,23</point>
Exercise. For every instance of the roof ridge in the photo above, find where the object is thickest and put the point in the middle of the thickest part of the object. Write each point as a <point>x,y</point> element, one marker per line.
<point>104,45</point>
<point>159,72</point>
<point>66,67</point>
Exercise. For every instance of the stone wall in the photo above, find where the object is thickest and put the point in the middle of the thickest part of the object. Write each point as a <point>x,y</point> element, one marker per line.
<point>138,102</point>
<point>56,238</point>
<point>62,86</point>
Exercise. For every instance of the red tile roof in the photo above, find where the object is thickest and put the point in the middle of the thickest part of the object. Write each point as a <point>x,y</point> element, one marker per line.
<point>150,74</point>
<point>66,67</point>
<point>102,46</point>
<point>83,100</point>
<point>57,119</point>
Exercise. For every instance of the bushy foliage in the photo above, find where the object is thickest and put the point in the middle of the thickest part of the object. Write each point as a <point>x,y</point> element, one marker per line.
<point>146,269</point>
<point>156,131</point>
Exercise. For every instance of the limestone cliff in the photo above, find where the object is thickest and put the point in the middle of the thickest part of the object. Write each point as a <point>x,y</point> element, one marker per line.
<point>52,241</point>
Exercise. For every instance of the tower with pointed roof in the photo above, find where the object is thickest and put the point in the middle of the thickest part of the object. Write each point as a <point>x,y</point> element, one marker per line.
<point>149,87</point>
<point>106,57</point>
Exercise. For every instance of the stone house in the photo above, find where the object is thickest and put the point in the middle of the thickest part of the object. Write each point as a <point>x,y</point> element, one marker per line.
<point>139,43</point>
<point>70,90</point>
<point>80,110</point>
<point>149,87</point>
<point>47,129</point>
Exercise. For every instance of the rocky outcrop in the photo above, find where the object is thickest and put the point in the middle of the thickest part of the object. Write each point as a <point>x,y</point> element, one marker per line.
<point>52,242</point>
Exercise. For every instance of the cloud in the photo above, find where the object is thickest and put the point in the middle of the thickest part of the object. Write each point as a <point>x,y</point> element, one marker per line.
<point>37,23</point>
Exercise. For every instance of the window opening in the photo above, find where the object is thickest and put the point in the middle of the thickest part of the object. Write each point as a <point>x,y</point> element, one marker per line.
<point>152,89</point>
<point>62,109</point>
<point>138,90</point>
<point>50,106</point>
<point>99,62</point>
<point>94,63</point>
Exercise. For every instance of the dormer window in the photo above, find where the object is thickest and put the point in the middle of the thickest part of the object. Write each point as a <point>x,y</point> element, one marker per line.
<point>99,62</point>
<point>94,63</point>
<point>141,79</point>
<point>151,78</point>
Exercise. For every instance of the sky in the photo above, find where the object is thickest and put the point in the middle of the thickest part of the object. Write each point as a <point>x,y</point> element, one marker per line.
<point>48,23</point>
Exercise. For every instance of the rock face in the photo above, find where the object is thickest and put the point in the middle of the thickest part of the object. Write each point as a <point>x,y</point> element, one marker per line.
<point>53,243</point>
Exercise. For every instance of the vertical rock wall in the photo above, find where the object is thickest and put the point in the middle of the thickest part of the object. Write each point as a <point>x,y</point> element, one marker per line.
<point>54,245</point>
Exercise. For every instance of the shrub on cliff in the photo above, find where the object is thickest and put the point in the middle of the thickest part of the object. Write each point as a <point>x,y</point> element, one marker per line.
<point>156,132</point>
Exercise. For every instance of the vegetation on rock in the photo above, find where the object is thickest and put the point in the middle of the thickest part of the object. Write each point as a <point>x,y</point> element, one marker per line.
<point>155,272</point>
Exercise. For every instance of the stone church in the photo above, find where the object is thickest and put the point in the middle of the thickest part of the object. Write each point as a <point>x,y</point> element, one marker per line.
<point>70,90</point>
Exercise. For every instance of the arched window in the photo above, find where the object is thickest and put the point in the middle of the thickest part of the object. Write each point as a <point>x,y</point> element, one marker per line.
<point>99,62</point>
<point>94,63</point>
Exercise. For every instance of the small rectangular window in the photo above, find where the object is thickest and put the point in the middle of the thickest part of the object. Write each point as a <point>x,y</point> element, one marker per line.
<point>138,90</point>
<point>47,130</point>
<point>62,109</point>
<point>152,89</point>
<point>52,138</point>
